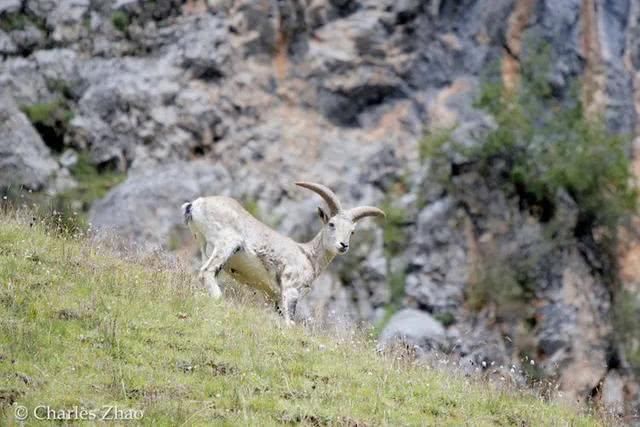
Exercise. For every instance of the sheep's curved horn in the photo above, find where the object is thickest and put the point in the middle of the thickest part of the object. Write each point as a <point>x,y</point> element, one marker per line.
<point>328,195</point>
<point>364,211</point>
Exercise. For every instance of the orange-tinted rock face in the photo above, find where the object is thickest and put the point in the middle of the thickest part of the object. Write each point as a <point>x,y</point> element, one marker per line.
<point>518,20</point>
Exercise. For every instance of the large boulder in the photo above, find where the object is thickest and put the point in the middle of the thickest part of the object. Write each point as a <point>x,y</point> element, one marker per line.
<point>25,161</point>
<point>414,328</point>
<point>145,209</point>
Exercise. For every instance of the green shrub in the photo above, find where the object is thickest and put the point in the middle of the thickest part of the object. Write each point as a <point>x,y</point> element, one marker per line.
<point>395,241</point>
<point>13,21</point>
<point>120,20</point>
<point>433,142</point>
<point>541,145</point>
<point>395,234</point>
<point>50,114</point>
<point>92,185</point>
<point>545,145</point>
<point>446,318</point>
<point>504,281</point>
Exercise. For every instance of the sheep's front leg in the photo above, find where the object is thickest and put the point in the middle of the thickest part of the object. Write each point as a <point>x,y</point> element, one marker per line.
<point>221,253</point>
<point>288,303</point>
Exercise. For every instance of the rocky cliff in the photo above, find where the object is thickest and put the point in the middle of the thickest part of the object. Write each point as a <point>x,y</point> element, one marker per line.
<point>243,97</point>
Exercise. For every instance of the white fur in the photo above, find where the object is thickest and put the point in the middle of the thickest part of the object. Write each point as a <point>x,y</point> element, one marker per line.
<point>232,240</point>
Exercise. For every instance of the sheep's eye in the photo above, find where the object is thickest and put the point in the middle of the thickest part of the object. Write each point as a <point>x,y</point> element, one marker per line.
<point>332,225</point>
<point>352,232</point>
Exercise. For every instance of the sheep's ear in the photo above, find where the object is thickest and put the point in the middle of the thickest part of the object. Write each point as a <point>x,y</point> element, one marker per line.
<point>323,215</point>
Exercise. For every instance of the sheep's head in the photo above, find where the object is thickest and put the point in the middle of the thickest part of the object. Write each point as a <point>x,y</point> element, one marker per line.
<point>339,224</point>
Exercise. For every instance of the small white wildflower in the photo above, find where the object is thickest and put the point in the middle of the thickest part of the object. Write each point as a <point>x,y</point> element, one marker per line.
<point>484,364</point>
<point>533,362</point>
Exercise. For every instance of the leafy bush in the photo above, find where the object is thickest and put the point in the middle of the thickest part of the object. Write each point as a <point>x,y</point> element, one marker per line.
<point>504,280</point>
<point>13,21</point>
<point>546,145</point>
<point>395,234</point>
<point>433,142</point>
<point>120,20</point>
<point>542,144</point>
<point>92,184</point>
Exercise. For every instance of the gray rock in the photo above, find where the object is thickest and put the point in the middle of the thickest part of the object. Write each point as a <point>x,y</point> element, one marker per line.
<point>256,25</point>
<point>438,260</point>
<point>68,20</point>
<point>10,6</point>
<point>41,8</point>
<point>61,71</point>
<point>351,56</point>
<point>68,158</point>
<point>24,159</point>
<point>613,393</point>
<point>29,37</point>
<point>146,207</point>
<point>414,328</point>
<point>20,78</point>
<point>115,112</point>
<point>7,46</point>
<point>203,48</point>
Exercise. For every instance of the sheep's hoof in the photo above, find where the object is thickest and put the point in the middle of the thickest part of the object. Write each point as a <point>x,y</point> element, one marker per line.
<point>211,284</point>
<point>215,293</point>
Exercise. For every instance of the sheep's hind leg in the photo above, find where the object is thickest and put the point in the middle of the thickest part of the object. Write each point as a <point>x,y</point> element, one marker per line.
<point>219,256</point>
<point>288,303</point>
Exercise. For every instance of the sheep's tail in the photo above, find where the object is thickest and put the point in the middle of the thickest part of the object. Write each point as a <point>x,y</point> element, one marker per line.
<point>186,212</point>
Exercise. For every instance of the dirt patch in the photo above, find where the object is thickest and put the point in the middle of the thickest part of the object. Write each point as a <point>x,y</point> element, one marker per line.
<point>9,396</point>
<point>68,314</point>
<point>320,421</point>
<point>221,368</point>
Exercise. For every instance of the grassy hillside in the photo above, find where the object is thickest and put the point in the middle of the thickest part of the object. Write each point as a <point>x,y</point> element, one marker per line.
<point>82,328</point>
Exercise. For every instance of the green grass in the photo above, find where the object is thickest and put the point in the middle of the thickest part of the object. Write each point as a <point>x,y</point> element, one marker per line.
<point>83,327</point>
<point>53,114</point>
